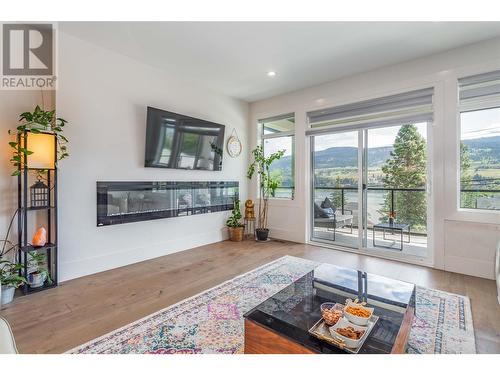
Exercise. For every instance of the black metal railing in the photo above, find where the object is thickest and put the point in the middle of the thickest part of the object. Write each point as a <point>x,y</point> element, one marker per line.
<point>391,191</point>
<point>354,188</point>
<point>481,192</point>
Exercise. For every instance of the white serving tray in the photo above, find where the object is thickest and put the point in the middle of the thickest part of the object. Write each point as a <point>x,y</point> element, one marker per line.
<point>321,331</point>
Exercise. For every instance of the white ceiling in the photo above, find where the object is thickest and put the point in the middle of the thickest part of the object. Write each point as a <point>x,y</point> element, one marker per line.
<point>233,58</point>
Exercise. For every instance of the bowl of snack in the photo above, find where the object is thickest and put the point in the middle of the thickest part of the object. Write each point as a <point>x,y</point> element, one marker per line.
<point>357,313</point>
<point>351,334</point>
<point>330,313</point>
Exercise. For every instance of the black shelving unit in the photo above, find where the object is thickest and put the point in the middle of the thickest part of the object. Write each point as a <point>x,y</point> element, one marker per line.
<point>46,214</point>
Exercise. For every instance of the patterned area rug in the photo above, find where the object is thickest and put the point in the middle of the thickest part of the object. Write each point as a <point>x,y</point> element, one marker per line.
<point>212,321</point>
<point>442,324</point>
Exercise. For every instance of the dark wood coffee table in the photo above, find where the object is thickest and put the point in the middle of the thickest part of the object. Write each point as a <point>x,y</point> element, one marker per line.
<point>280,324</point>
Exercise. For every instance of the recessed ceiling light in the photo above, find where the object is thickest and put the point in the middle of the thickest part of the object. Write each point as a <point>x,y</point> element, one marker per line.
<point>271,74</point>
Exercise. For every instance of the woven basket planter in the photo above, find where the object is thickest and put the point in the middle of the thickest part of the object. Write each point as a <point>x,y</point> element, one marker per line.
<point>236,234</point>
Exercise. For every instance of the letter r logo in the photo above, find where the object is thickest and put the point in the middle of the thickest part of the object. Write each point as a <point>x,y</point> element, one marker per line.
<point>27,49</point>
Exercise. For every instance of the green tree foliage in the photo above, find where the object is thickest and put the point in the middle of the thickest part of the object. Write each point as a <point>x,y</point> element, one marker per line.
<point>406,169</point>
<point>336,196</point>
<point>467,198</point>
<point>277,176</point>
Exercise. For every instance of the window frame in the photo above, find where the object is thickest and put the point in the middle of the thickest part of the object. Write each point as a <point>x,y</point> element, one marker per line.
<point>282,134</point>
<point>486,97</point>
<point>466,109</point>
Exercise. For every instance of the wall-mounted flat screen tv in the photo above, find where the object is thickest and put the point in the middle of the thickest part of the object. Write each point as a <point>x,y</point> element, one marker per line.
<point>182,142</point>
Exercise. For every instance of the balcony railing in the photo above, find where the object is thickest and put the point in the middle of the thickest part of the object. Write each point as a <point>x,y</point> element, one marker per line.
<point>479,193</point>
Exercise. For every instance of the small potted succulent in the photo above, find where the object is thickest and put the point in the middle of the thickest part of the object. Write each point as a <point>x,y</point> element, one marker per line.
<point>40,274</point>
<point>235,227</point>
<point>9,280</point>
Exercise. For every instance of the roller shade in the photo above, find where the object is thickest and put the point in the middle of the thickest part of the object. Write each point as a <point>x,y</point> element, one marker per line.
<point>479,91</point>
<point>277,126</point>
<point>276,118</point>
<point>413,106</point>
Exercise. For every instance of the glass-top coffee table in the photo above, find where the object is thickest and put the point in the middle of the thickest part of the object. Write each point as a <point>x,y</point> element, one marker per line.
<point>281,323</point>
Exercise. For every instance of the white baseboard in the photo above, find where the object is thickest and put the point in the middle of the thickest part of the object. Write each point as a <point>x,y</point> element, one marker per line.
<point>88,266</point>
<point>286,235</point>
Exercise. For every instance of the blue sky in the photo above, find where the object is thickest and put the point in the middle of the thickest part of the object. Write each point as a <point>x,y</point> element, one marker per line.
<point>478,124</point>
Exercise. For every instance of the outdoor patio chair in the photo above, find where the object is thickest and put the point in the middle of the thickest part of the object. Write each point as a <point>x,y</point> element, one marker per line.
<point>332,218</point>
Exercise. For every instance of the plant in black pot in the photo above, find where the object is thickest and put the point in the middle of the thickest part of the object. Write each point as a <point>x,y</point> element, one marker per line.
<point>234,224</point>
<point>9,280</point>
<point>260,167</point>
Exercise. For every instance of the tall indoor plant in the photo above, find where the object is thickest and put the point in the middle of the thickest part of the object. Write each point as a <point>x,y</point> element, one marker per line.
<point>267,185</point>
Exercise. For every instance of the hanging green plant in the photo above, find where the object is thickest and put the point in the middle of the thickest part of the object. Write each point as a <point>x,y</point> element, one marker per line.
<point>38,121</point>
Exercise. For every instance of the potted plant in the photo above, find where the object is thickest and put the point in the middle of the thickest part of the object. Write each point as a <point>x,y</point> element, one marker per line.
<point>9,280</point>
<point>38,121</point>
<point>267,185</point>
<point>40,274</point>
<point>234,225</point>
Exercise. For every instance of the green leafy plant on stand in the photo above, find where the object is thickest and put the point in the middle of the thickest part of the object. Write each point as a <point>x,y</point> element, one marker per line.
<point>36,122</point>
<point>37,261</point>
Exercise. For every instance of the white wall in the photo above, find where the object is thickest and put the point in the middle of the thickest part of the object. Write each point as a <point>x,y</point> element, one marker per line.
<point>462,241</point>
<point>104,96</point>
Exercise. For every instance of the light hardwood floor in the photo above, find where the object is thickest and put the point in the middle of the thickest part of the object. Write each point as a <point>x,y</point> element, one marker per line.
<point>79,310</point>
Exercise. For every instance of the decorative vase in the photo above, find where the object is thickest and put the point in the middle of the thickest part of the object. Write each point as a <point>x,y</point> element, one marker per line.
<point>262,234</point>
<point>40,237</point>
<point>236,234</point>
<point>36,279</point>
<point>7,294</point>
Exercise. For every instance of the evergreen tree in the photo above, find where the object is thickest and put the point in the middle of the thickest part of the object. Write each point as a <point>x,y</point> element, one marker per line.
<point>336,196</point>
<point>406,169</point>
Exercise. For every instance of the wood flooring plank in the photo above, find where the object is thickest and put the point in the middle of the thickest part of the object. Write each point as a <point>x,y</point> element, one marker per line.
<point>79,310</point>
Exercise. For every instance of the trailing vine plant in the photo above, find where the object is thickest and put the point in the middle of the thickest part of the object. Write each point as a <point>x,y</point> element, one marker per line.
<point>38,121</point>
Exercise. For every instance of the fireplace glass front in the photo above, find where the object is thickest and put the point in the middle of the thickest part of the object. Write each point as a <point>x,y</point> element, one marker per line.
<point>124,202</point>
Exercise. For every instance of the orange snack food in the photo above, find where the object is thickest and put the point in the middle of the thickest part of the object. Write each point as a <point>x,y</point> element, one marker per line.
<point>358,311</point>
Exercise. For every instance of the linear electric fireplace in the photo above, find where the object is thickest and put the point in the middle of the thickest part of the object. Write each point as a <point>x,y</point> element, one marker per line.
<point>125,202</point>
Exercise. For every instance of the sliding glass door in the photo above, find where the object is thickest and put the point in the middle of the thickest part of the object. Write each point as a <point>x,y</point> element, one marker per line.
<point>335,191</point>
<point>369,188</point>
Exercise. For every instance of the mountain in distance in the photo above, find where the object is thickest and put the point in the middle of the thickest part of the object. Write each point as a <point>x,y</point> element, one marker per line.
<point>481,149</point>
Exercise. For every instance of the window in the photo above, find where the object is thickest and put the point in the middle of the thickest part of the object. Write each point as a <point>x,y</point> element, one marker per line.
<point>277,133</point>
<point>480,141</point>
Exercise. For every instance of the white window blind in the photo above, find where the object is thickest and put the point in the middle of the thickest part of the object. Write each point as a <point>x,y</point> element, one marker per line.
<point>278,126</point>
<point>480,91</point>
<point>413,106</point>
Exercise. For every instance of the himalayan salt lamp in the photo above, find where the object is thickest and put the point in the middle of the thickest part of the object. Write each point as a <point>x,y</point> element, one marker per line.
<point>40,237</point>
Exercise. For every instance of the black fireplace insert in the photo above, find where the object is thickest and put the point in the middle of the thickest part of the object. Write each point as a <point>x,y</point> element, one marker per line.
<point>125,202</point>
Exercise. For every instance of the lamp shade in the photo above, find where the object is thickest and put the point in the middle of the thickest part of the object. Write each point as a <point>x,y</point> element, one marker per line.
<point>43,147</point>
